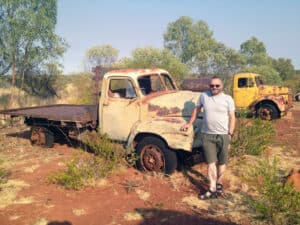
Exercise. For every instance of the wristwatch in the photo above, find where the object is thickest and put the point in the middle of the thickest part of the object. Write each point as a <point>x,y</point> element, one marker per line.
<point>231,134</point>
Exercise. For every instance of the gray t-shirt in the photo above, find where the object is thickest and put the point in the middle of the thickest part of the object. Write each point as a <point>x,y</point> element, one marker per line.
<point>215,112</point>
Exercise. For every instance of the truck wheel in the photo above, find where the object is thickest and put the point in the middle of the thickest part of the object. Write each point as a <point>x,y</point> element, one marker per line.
<point>297,97</point>
<point>41,136</point>
<point>267,112</point>
<point>154,155</point>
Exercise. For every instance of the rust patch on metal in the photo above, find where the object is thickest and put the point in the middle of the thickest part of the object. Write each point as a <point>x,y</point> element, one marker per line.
<point>150,96</point>
<point>163,111</point>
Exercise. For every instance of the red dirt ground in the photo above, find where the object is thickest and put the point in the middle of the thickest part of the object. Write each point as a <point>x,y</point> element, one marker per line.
<point>109,203</point>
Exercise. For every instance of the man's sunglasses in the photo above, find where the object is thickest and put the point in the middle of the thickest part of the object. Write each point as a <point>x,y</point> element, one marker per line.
<point>214,85</point>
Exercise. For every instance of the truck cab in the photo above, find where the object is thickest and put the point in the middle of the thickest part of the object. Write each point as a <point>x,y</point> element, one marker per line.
<point>265,101</point>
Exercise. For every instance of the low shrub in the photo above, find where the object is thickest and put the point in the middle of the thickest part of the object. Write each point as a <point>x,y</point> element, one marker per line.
<point>275,202</point>
<point>82,171</point>
<point>251,137</point>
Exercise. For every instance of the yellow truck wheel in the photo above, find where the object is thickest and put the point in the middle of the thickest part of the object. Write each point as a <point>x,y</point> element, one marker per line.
<point>154,155</point>
<point>267,112</point>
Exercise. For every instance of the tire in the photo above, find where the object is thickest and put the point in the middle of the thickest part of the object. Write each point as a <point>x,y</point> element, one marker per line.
<point>297,97</point>
<point>41,136</point>
<point>268,112</point>
<point>155,156</point>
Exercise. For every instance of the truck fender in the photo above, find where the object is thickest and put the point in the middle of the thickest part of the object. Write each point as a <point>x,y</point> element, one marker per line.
<point>168,129</point>
<point>277,102</point>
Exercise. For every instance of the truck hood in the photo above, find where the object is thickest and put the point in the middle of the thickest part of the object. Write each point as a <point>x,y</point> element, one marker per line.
<point>180,103</point>
<point>274,90</point>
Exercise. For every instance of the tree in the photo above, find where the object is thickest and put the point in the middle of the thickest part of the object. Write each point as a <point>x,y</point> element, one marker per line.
<point>153,57</point>
<point>185,39</point>
<point>193,43</point>
<point>257,59</point>
<point>27,39</point>
<point>183,35</point>
<point>42,83</point>
<point>284,67</point>
<point>255,52</point>
<point>101,55</point>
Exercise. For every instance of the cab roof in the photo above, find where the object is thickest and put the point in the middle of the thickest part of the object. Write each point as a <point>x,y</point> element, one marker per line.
<point>246,74</point>
<point>134,72</point>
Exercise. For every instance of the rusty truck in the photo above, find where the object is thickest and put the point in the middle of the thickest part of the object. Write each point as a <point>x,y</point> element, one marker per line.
<point>250,93</point>
<point>142,108</point>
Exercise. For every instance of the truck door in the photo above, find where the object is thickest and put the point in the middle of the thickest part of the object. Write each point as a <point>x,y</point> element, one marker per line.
<point>244,92</point>
<point>120,109</point>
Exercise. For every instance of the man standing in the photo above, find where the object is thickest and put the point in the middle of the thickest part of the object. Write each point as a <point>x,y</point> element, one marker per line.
<point>216,132</point>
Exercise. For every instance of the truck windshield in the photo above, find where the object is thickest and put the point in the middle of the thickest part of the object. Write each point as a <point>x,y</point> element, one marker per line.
<point>150,83</point>
<point>168,82</point>
<point>258,81</point>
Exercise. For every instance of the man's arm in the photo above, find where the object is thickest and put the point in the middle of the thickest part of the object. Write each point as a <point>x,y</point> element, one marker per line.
<point>231,123</point>
<point>195,112</point>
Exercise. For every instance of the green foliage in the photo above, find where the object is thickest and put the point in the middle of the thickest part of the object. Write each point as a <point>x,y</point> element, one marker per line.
<point>269,74</point>
<point>251,137</point>
<point>28,40</point>
<point>103,55</point>
<point>183,35</point>
<point>85,170</point>
<point>284,67</point>
<point>193,43</point>
<point>82,172</point>
<point>153,57</point>
<point>102,147</point>
<point>293,83</point>
<point>5,81</point>
<point>42,85</point>
<point>257,60</point>
<point>255,52</point>
<point>276,203</point>
<point>72,178</point>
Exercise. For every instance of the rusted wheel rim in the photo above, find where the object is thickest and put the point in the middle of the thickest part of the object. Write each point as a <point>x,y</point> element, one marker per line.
<point>38,136</point>
<point>265,114</point>
<point>152,158</point>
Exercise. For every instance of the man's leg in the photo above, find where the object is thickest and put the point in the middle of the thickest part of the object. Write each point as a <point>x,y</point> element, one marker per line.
<point>223,146</point>
<point>212,176</point>
<point>221,171</point>
<point>210,154</point>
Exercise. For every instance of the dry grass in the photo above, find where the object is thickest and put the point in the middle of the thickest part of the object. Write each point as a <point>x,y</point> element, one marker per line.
<point>9,192</point>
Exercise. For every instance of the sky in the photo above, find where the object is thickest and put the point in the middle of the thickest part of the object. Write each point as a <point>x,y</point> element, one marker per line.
<point>130,24</point>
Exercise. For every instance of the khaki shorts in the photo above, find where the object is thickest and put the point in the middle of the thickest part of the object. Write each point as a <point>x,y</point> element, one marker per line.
<point>215,147</point>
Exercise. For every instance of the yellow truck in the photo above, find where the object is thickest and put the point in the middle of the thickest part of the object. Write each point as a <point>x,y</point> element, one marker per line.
<point>249,93</point>
<point>142,108</point>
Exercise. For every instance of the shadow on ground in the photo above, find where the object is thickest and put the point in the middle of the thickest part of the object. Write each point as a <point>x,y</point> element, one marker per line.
<point>170,217</point>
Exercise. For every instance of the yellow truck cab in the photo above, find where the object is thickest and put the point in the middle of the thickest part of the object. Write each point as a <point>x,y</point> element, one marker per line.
<point>265,101</point>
